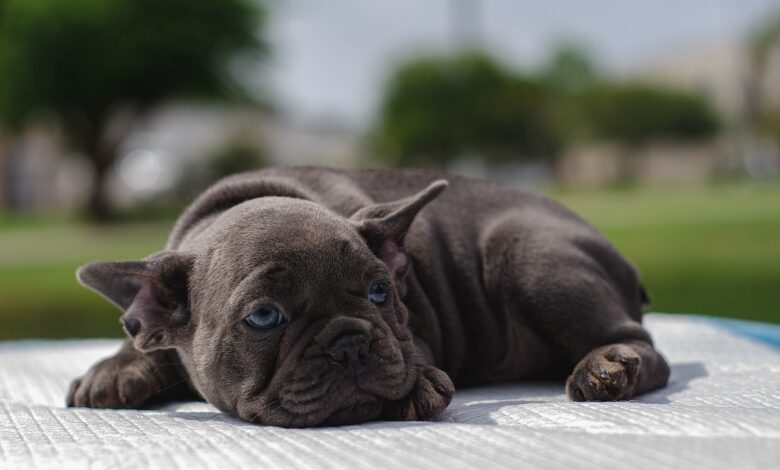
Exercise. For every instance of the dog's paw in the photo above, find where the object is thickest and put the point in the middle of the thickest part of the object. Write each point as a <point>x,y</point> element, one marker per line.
<point>606,374</point>
<point>121,381</point>
<point>429,397</point>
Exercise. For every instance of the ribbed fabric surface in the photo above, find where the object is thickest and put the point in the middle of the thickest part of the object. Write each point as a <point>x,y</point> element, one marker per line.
<point>721,410</point>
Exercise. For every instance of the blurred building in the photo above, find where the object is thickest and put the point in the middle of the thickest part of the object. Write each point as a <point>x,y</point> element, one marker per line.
<point>38,174</point>
<point>660,162</point>
<point>719,70</point>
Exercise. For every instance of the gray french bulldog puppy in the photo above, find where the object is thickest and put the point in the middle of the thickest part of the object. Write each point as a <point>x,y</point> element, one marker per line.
<point>315,296</point>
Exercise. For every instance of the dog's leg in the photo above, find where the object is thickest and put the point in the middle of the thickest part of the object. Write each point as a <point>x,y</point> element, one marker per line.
<point>131,379</point>
<point>617,372</point>
<point>578,294</point>
<point>430,395</point>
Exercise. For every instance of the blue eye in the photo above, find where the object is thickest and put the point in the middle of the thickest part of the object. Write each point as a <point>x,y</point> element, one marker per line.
<point>265,317</point>
<point>378,292</point>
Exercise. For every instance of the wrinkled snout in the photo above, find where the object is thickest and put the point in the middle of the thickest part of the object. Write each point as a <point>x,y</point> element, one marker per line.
<point>346,342</point>
<point>350,351</point>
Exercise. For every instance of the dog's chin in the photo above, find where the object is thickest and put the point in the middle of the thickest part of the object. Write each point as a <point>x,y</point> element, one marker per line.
<point>360,407</point>
<point>331,401</point>
<point>355,413</point>
<point>347,402</point>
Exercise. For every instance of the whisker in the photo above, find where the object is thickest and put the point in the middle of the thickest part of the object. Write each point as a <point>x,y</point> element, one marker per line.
<point>173,385</point>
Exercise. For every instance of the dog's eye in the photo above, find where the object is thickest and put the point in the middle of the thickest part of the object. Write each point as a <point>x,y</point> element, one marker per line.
<point>378,292</point>
<point>265,317</point>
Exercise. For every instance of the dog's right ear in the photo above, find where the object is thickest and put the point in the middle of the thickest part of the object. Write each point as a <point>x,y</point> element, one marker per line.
<point>384,225</point>
<point>151,292</point>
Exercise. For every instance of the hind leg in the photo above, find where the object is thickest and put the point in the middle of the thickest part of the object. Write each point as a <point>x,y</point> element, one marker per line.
<point>617,372</point>
<point>572,287</point>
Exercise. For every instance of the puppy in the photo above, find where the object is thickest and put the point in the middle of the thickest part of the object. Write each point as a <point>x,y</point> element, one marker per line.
<point>314,296</point>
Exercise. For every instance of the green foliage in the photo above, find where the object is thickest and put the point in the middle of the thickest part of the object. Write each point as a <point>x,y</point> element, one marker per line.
<point>634,113</point>
<point>237,157</point>
<point>569,69</point>
<point>436,109</point>
<point>84,61</point>
<point>637,113</point>
<point>81,58</point>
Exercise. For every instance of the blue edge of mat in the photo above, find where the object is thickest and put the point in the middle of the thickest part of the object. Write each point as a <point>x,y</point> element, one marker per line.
<point>766,333</point>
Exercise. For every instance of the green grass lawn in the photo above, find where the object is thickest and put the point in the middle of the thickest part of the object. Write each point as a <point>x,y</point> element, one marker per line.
<point>39,294</point>
<point>712,250</point>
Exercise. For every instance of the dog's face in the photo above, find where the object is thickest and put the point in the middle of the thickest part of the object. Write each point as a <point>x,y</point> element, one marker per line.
<point>282,311</point>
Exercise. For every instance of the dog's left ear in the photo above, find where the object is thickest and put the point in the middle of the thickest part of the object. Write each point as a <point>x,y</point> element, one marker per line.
<point>384,225</point>
<point>152,293</point>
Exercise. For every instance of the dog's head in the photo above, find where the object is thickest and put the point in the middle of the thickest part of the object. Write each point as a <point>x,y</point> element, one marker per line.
<point>282,311</point>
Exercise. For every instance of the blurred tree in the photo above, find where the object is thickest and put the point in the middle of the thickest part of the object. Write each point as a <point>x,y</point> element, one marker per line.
<point>635,114</point>
<point>99,65</point>
<point>438,109</point>
<point>240,155</point>
<point>569,69</point>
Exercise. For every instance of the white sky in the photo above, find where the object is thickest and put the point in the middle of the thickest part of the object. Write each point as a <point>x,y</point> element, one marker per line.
<point>331,57</point>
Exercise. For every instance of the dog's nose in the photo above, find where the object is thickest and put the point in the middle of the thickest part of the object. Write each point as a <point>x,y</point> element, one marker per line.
<point>350,350</point>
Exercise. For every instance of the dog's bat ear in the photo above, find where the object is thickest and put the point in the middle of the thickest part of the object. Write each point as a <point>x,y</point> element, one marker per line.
<point>152,293</point>
<point>384,225</point>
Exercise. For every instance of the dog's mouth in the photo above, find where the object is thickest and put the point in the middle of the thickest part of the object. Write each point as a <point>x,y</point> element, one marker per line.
<point>357,412</point>
<point>319,390</point>
<point>359,407</point>
<point>329,403</point>
<point>328,395</point>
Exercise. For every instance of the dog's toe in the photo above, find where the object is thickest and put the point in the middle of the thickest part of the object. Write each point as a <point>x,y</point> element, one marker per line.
<point>113,383</point>
<point>134,389</point>
<point>606,374</point>
<point>429,397</point>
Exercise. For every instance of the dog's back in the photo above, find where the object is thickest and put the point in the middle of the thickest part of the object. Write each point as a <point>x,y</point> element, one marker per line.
<point>480,254</point>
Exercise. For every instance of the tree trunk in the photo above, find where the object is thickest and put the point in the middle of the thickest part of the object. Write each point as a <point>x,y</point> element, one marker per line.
<point>98,208</point>
<point>102,158</point>
<point>100,138</point>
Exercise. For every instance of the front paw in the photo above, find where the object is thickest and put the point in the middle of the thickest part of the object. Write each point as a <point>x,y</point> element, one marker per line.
<point>606,374</point>
<point>120,381</point>
<point>429,397</point>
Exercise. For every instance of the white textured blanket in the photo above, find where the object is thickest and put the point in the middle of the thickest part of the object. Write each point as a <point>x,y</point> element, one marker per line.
<point>721,410</point>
